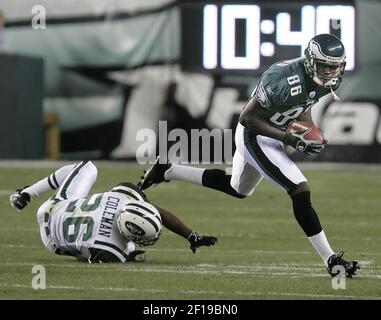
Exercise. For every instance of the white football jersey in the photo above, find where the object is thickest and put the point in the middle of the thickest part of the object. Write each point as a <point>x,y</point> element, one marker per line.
<point>86,226</point>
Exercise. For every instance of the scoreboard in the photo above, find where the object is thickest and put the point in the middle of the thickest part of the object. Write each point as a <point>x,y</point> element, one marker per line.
<point>249,36</point>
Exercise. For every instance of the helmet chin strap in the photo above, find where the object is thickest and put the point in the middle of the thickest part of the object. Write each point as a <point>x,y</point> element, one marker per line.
<point>335,96</point>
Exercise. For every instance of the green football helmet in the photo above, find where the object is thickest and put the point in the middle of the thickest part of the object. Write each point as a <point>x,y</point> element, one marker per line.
<point>325,60</point>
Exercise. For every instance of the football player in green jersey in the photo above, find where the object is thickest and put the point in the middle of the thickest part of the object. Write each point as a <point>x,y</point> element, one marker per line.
<point>285,93</point>
<point>101,227</point>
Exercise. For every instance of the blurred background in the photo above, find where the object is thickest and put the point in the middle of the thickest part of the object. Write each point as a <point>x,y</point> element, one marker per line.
<point>79,79</point>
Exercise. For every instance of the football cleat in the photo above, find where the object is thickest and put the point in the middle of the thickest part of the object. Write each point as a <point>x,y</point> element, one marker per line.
<point>154,175</point>
<point>336,260</point>
<point>19,199</point>
<point>136,256</point>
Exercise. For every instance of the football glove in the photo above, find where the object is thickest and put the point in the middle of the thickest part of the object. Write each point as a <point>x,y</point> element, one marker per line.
<point>19,199</point>
<point>197,240</point>
<point>297,141</point>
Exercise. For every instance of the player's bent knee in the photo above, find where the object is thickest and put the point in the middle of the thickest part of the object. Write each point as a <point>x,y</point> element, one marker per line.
<point>236,194</point>
<point>301,187</point>
<point>92,168</point>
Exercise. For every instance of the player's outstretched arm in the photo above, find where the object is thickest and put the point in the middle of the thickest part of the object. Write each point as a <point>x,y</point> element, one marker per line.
<point>196,240</point>
<point>22,197</point>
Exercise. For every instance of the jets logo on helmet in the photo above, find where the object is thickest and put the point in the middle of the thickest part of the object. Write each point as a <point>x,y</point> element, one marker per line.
<point>134,228</point>
<point>325,60</point>
<point>140,222</point>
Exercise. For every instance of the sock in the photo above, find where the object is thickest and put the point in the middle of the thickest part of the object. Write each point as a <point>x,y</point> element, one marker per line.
<point>184,173</point>
<point>321,245</point>
<point>309,222</point>
<point>211,178</point>
<point>305,214</point>
<point>218,180</point>
<point>51,182</point>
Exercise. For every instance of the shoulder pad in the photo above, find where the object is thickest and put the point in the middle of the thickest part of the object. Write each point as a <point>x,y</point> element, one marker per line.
<point>272,89</point>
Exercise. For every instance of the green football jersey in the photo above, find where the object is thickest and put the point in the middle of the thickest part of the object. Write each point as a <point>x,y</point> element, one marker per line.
<point>287,91</point>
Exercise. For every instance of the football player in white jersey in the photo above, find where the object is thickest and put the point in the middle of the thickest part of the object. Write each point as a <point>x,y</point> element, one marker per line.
<point>87,226</point>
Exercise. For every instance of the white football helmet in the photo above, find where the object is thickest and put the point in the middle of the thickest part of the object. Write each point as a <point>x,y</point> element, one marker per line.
<point>325,60</point>
<point>140,222</point>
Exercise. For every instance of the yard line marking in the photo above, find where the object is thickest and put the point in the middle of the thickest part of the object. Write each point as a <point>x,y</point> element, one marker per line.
<point>218,270</point>
<point>6,192</point>
<point>229,251</point>
<point>259,221</point>
<point>208,292</point>
<point>221,265</point>
<point>23,246</point>
<point>19,229</point>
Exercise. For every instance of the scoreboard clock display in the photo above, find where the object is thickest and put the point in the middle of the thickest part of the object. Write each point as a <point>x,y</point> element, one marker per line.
<point>232,36</point>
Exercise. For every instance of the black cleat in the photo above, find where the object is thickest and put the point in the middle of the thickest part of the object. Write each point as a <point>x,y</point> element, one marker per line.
<point>154,175</point>
<point>350,267</point>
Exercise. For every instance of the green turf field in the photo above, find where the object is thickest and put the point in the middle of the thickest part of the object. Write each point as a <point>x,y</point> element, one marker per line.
<point>261,252</point>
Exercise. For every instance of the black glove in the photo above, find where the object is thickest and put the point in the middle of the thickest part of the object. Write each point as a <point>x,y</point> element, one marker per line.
<point>297,141</point>
<point>197,240</point>
<point>19,199</point>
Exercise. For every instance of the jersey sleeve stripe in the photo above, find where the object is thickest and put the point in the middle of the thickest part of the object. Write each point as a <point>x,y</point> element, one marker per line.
<point>111,248</point>
<point>129,191</point>
<point>55,180</point>
<point>133,188</point>
<point>62,191</point>
<point>145,217</point>
<point>50,184</point>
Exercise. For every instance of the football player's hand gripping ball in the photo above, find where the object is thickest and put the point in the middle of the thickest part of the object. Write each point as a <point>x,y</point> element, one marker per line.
<point>306,138</point>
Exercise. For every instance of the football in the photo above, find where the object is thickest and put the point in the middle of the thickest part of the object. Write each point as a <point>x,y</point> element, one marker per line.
<point>314,133</point>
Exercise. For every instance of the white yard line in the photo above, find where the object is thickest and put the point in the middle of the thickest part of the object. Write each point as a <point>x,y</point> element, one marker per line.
<point>192,292</point>
<point>258,270</point>
<point>6,192</point>
<point>229,251</point>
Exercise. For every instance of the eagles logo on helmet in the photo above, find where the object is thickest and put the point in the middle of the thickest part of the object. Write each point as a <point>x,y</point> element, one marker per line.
<point>325,60</point>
